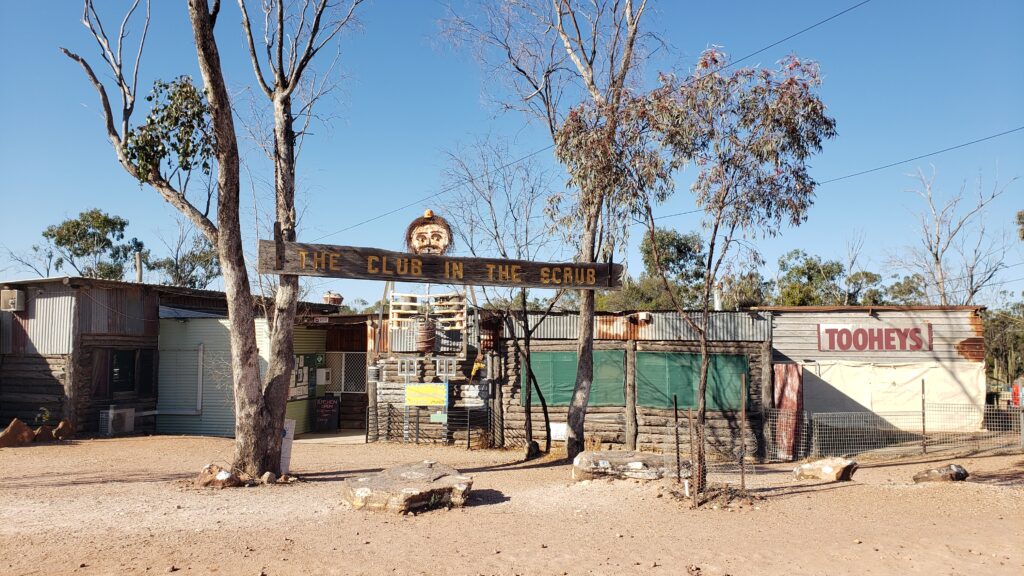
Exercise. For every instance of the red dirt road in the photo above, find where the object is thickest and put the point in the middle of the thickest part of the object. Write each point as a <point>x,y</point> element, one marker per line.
<point>126,506</point>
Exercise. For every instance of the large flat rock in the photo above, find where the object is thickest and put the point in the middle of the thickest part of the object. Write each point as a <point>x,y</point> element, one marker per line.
<point>623,465</point>
<point>951,473</point>
<point>831,469</point>
<point>408,488</point>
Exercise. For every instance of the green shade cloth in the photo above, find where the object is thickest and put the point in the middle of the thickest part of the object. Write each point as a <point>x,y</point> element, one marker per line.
<point>556,377</point>
<point>660,375</point>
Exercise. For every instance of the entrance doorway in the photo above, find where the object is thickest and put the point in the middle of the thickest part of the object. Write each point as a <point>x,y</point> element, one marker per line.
<point>348,382</point>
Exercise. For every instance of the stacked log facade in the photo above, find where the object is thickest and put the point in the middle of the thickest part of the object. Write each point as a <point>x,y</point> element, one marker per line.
<point>635,427</point>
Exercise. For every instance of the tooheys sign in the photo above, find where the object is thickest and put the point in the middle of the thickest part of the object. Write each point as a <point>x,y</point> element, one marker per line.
<point>851,338</point>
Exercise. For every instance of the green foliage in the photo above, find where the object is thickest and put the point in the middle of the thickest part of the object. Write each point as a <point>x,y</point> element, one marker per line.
<point>1004,342</point>
<point>745,290</point>
<point>612,163</point>
<point>91,244</point>
<point>177,134</point>
<point>750,132</point>
<point>190,266</point>
<point>806,280</point>
<point>681,255</point>
<point>907,291</point>
<point>682,259</point>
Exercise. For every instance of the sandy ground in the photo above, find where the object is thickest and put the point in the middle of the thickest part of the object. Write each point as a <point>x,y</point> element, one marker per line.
<point>126,506</point>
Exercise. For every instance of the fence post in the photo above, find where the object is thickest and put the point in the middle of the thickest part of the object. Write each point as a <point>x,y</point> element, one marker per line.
<point>689,419</point>
<point>924,434</point>
<point>1020,420</point>
<point>468,447</point>
<point>675,415</point>
<point>743,432</point>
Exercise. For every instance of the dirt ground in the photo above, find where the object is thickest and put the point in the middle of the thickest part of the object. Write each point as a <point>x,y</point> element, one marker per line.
<point>127,506</point>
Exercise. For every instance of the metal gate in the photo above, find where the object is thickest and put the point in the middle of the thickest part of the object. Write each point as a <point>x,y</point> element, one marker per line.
<point>348,372</point>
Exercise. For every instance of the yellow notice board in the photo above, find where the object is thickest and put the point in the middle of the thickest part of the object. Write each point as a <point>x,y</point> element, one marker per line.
<point>426,394</point>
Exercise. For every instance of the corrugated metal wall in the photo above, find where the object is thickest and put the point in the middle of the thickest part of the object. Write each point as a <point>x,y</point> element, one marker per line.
<point>795,335</point>
<point>723,327</point>
<point>129,310</point>
<point>51,322</point>
<point>45,326</point>
<point>178,377</point>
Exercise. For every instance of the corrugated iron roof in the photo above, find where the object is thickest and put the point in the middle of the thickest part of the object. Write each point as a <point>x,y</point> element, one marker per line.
<point>927,308</point>
<point>722,326</point>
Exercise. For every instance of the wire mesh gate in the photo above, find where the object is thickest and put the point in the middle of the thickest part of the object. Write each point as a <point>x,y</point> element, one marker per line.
<point>348,372</point>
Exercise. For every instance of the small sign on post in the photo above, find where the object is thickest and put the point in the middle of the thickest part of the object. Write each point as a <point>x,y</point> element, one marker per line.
<point>433,394</point>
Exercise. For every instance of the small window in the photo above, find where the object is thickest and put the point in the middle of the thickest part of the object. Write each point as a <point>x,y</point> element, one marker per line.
<point>122,371</point>
<point>147,372</point>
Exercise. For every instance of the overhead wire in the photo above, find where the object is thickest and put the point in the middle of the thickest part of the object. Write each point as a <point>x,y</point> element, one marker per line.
<point>462,181</point>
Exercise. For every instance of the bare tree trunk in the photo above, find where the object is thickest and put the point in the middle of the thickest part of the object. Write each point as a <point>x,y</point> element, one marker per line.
<point>574,441</point>
<point>532,381</point>
<point>251,440</point>
<point>700,458</point>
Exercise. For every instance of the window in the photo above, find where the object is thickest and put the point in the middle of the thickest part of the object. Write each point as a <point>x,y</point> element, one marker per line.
<point>662,375</point>
<point>122,371</point>
<point>131,371</point>
<point>556,377</point>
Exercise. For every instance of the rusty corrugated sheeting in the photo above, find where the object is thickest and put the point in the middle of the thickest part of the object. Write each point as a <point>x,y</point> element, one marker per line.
<point>723,327</point>
<point>972,349</point>
<point>48,320</point>
<point>954,333</point>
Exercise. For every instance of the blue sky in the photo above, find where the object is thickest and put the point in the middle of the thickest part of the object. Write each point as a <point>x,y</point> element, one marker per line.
<point>902,78</point>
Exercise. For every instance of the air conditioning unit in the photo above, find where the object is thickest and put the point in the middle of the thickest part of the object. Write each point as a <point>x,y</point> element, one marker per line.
<point>12,300</point>
<point>117,421</point>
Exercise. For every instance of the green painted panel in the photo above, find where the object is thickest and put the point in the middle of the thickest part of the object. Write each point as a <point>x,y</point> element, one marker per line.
<point>302,412</point>
<point>556,377</point>
<point>660,375</point>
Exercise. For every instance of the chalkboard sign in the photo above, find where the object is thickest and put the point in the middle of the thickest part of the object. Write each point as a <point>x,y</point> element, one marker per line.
<point>328,410</point>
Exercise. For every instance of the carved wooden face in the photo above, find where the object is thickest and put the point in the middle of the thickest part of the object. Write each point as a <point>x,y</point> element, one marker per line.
<point>430,238</point>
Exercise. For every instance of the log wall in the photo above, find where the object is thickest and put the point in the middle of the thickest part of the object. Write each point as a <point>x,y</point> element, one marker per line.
<point>653,428</point>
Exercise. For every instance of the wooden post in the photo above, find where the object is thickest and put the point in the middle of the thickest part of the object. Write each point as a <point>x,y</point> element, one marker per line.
<point>924,432</point>
<point>278,246</point>
<point>743,432</point>
<point>631,418</point>
<point>689,419</point>
<point>675,415</point>
<point>371,408</point>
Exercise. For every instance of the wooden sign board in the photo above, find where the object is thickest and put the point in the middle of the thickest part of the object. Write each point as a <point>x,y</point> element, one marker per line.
<point>374,264</point>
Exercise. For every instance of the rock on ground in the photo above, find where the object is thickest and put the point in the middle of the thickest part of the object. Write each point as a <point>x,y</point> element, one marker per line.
<point>408,488</point>
<point>63,431</point>
<point>268,478</point>
<point>44,434</point>
<point>951,473</point>
<point>620,464</point>
<point>213,476</point>
<point>831,469</point>
<point>17,433</point>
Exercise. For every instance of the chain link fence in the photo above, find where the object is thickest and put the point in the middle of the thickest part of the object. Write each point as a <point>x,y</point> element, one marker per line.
<point>937,428</point>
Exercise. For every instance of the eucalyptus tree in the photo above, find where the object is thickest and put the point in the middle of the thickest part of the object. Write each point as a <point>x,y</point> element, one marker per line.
<point>750,133</point>
<point>190,133</point>
<point>546,57</point>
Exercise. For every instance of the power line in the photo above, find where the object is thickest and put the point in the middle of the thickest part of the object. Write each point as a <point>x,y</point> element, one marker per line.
<point>963,145</point>
<point>444,190</point>
<point>550,146</point>
<point>876,169</point>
